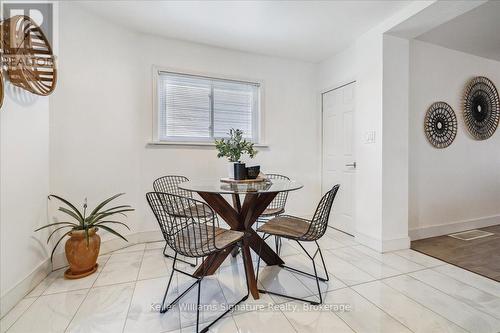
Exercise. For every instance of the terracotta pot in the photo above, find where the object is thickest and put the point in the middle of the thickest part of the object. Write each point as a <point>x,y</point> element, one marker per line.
<point>82,259</point>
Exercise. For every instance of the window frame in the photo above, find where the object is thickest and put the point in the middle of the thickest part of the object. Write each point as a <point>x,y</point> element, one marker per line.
<point>256,116</point>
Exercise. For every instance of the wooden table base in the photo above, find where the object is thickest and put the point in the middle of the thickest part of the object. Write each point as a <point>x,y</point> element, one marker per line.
<point>241,218</point>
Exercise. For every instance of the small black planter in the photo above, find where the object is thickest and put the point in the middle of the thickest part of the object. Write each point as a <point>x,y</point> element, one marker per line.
<point>240,172</point>
<point>253,172</point>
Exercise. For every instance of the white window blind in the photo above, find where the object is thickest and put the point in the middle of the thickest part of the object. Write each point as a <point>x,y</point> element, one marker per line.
<point>197,108</point>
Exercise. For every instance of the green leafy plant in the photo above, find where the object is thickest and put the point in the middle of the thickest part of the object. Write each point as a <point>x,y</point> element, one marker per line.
<point>234,146</point>
<point>99,217</point>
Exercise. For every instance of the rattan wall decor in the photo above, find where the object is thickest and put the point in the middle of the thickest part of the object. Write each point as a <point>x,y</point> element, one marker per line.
<point>481,108</point>
<point>1,88</point>
<point>440,125</point>
<point>28,56</point>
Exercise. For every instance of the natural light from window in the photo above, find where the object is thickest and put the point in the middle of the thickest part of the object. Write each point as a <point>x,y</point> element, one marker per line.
<point>197,108</point>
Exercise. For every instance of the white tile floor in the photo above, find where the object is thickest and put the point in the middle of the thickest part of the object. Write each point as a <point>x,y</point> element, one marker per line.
<point>402,291</point>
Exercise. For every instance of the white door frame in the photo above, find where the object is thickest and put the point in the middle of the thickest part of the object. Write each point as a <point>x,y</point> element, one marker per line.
<point>322,92</point>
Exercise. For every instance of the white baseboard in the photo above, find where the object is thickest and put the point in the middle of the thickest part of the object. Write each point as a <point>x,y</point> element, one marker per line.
<point>149,236</point>
<point>452,227</point>
<point>24,287</point>
<point>395,244</point>
<point>15,294</point>
<point>385,245</point>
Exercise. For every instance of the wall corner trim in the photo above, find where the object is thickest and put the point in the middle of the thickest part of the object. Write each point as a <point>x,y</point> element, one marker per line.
<point>383,245</point>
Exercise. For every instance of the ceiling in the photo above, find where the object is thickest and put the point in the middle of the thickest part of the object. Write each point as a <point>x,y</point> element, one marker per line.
<point>476,32</point>
<point>304,30</point>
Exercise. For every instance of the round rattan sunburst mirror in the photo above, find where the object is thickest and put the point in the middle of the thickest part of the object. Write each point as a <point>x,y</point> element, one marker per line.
<point>30,63</point>
<point>440,125</point>
<point>481,108</point>
<point>1,88</point>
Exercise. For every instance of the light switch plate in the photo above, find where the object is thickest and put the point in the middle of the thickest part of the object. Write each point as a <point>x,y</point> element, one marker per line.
<point>370,137</point>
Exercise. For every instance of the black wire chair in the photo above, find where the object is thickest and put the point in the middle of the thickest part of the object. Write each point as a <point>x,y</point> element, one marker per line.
<point>169,184</point>
<point>275,208</point>
<point>195,234</point>
<point>302,230</point>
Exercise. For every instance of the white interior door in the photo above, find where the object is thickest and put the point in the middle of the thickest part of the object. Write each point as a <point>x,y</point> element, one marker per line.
<point>338,158</point>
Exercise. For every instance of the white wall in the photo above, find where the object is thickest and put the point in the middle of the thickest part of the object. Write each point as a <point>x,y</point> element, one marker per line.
<point>422,189</point>
<point>96,114</point>
<point>458,187</point>
<point>379,64</point>
<point>337,70</point>
<point>363,62</point>
<point>101,115</point>
<point>369,88</point>
<point>395,97</point>
<point>24,171</point>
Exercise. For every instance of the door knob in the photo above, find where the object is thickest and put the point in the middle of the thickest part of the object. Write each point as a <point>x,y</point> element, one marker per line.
<point>353,165</point>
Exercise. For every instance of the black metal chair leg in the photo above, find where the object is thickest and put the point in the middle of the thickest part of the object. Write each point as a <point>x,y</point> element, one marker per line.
<point>258,260</point>
<point>317,283</point>
<point>198,306</point>
<point>165,309</point>
<point>235,251</point>
<point>323,262</point>
<point>318,250</point>
<point>184,261</point>
<point>230,308</point>
<point>198,282</point>
<point>315,276</point>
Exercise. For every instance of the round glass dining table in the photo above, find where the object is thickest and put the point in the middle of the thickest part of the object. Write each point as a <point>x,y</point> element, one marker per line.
<point>241,216</point>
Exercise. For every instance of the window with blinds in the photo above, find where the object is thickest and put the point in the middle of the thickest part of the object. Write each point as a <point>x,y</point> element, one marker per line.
<point>197,108</point>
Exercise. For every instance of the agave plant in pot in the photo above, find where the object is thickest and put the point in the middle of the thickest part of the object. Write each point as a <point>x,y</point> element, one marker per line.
<point>233,148</point>
<point>83,245</point>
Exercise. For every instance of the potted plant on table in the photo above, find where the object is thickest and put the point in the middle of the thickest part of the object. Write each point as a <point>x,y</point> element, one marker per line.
<point>233,148</point>
<point>82,247</point>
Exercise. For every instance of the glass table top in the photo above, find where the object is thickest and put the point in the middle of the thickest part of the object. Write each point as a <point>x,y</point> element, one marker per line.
<point>216,186</point>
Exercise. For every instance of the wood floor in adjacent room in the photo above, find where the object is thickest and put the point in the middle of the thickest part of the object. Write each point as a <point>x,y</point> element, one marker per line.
<point>481,256</point>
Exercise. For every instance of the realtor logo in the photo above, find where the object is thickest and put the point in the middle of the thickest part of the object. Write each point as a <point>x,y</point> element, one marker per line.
<point>40,12</point>
<point>26,37</point>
